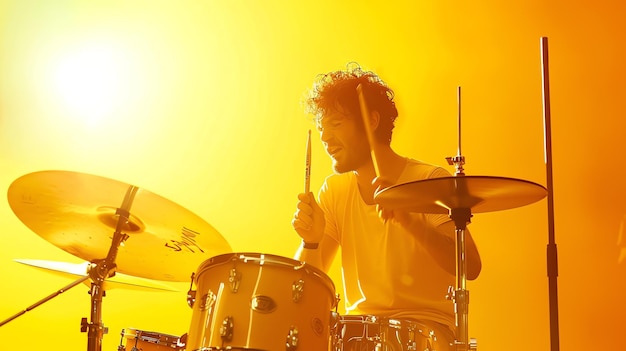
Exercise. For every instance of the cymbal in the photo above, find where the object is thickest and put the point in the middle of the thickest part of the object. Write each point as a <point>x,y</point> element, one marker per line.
<point>478,193</point>
<point>77,213</point>
<point>120,280</point>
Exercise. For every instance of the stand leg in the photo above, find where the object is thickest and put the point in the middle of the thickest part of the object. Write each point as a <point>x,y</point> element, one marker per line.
<point>45,299</point>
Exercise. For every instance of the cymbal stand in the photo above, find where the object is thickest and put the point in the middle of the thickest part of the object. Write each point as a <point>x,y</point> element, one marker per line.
<point>97,272</point>
<point>103,269</point>
<point>461,217</point>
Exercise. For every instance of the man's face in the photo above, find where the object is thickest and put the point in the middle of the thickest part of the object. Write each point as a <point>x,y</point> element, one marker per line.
<point>345,141</point>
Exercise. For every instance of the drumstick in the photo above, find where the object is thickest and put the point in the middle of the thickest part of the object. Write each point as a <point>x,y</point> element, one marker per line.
<point>370,137</point>
<point>307,165</point>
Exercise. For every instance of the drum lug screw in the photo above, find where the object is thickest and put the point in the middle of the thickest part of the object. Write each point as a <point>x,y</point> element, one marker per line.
<point>226,330</point>
<point>234,279</point>
<point>191,298</point>
<point>411,344</point>
<point>207,301</point>
<point>292,339</point>
<point>297,289</point>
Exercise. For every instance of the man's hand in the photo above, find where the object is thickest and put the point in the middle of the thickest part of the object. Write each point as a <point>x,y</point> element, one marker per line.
<point>308,220</point>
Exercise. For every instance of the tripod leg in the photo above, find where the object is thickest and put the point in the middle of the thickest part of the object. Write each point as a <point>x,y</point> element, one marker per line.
<point>44,300</point>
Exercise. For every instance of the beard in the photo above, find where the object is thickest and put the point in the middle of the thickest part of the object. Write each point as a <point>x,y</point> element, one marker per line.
<point>343,163</point>
<point>339,167</point>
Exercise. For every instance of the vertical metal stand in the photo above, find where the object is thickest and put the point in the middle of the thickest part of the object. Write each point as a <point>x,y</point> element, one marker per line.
<point>553,270</point>
<point>461,217</point>
<point>95,329</point>
<point>103,269</point>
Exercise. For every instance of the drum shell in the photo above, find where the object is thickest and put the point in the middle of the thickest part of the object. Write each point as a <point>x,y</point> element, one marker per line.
<point>252,295</point>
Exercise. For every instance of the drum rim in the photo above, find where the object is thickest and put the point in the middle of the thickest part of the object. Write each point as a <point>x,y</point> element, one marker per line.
<point>373,319</point>
<point>140,332</point>
<point>268,259</point>
<point>147,335</point>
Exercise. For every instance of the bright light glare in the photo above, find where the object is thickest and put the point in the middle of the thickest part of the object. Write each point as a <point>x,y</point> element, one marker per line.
<point>91,83</point>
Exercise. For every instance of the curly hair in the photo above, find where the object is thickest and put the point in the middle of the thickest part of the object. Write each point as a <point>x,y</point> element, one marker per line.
<point>336,91</point>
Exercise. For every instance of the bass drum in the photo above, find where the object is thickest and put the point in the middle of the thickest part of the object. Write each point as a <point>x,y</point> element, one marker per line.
<point>260,301</point>
<point>371,333</point>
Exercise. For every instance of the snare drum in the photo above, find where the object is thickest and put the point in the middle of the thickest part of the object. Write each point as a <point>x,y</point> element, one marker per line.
<point>371,333</point>
<point>260,301</point>
<point>141,340</point>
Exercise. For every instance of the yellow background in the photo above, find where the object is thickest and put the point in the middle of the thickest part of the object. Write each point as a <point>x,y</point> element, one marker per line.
<point>199,102</point>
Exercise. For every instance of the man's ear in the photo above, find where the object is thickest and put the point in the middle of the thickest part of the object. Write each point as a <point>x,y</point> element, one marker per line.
<point>374,120</point>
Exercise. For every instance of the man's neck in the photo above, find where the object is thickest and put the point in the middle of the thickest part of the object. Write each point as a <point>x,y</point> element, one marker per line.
<point>390,165</point>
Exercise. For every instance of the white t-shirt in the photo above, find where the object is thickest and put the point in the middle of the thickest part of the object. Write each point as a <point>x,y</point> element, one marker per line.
<point>386,271</point>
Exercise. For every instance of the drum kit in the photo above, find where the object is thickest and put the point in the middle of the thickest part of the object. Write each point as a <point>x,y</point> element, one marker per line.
<point>242,301</point>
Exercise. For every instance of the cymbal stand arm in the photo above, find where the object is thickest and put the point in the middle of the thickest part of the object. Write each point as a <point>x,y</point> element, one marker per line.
<point>103,269</point>
<point>461,218</point>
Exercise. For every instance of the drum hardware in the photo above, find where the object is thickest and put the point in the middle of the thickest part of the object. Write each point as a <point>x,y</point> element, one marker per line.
<point>458,196</point>
<point>57,204</point>
<point>208,301</point>
<point>191,294</point>
<point>226,329</point>
<point>292,339</point>
<point>234,279</point>
<point>369,332</point>
<point>121,347</point>
<point>45,299</point>
<point>297,290</point>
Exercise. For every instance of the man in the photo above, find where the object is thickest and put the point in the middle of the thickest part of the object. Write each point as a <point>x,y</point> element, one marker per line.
<point>395,265</point>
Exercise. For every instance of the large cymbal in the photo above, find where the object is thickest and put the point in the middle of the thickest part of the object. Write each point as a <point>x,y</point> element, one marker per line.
<point>76,212</point>
<point>478,193</point>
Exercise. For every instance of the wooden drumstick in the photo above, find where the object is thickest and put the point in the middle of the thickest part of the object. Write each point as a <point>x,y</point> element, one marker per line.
<point>307,165</point>
<point>368,130</point>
